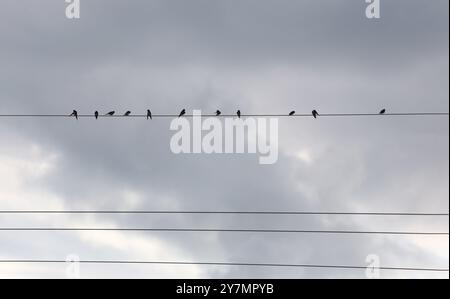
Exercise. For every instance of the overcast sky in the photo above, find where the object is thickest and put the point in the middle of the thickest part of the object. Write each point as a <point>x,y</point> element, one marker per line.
<point>260,56</point>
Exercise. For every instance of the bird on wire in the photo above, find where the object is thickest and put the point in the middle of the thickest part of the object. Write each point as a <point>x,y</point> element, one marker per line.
<point>149,114</point>
<point>110,113</point>
<point>315,113</point>
<point>292,113</point>
<point>218,113</point>
<point>182,113</point>
<point>128,113</point>
<point>383,112</point>
<point>74,114</point>
<point>96,114</point>
<point>239,113</point>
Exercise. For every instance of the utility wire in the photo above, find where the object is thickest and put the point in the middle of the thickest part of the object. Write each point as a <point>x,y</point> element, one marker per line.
<point>221,264</point>
<point>227,213</point>
<point>208,230</point>
<point>226,115</point>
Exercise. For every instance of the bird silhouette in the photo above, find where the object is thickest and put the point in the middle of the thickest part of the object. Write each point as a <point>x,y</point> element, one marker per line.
<point>383,111</point>
<point>96,114</point>
<point>111,113</point>
<point>315,113</point>
<point>149,114</point>
<point>292,113</point>
<point>182,113</point>
<point>128,113</point>
<point>218,113</point>
<point>239,113</point>
<point>74,114</point>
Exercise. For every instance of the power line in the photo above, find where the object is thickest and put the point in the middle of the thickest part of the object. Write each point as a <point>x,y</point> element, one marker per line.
<point>221,264</point>
<point>226,115</point>
<point>227,213</point>
<point>208,230</point>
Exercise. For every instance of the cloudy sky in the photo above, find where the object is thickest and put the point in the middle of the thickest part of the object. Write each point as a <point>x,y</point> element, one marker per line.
<point>260,56</point>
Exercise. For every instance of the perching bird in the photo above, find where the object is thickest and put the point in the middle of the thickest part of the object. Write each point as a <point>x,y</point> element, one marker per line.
<point>74,114</point>
<point>315,113</point>
<point>96,114</point>
<point>128,113</point>
<point>111,113</point>
<point>292,113</point>
<point>183,112</point>
<point>239,113</point>
<point>218,113</point>
<point>149,114</point>
<point>383,111</point>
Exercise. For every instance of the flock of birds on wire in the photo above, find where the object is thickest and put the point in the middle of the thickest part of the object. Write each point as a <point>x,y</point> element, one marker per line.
<point>314,113</point>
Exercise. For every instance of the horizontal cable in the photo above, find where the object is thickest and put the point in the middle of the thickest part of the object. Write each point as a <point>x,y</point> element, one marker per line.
<point>227,115</point>
<point>225,213</point>
<point>206,230</point>
<point>221,264</point>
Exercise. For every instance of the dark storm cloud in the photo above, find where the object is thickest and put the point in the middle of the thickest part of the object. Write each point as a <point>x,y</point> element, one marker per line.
<point>168,32</point>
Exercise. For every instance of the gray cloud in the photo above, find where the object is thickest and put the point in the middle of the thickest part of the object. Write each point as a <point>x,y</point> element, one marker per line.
<point>257,56</point>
